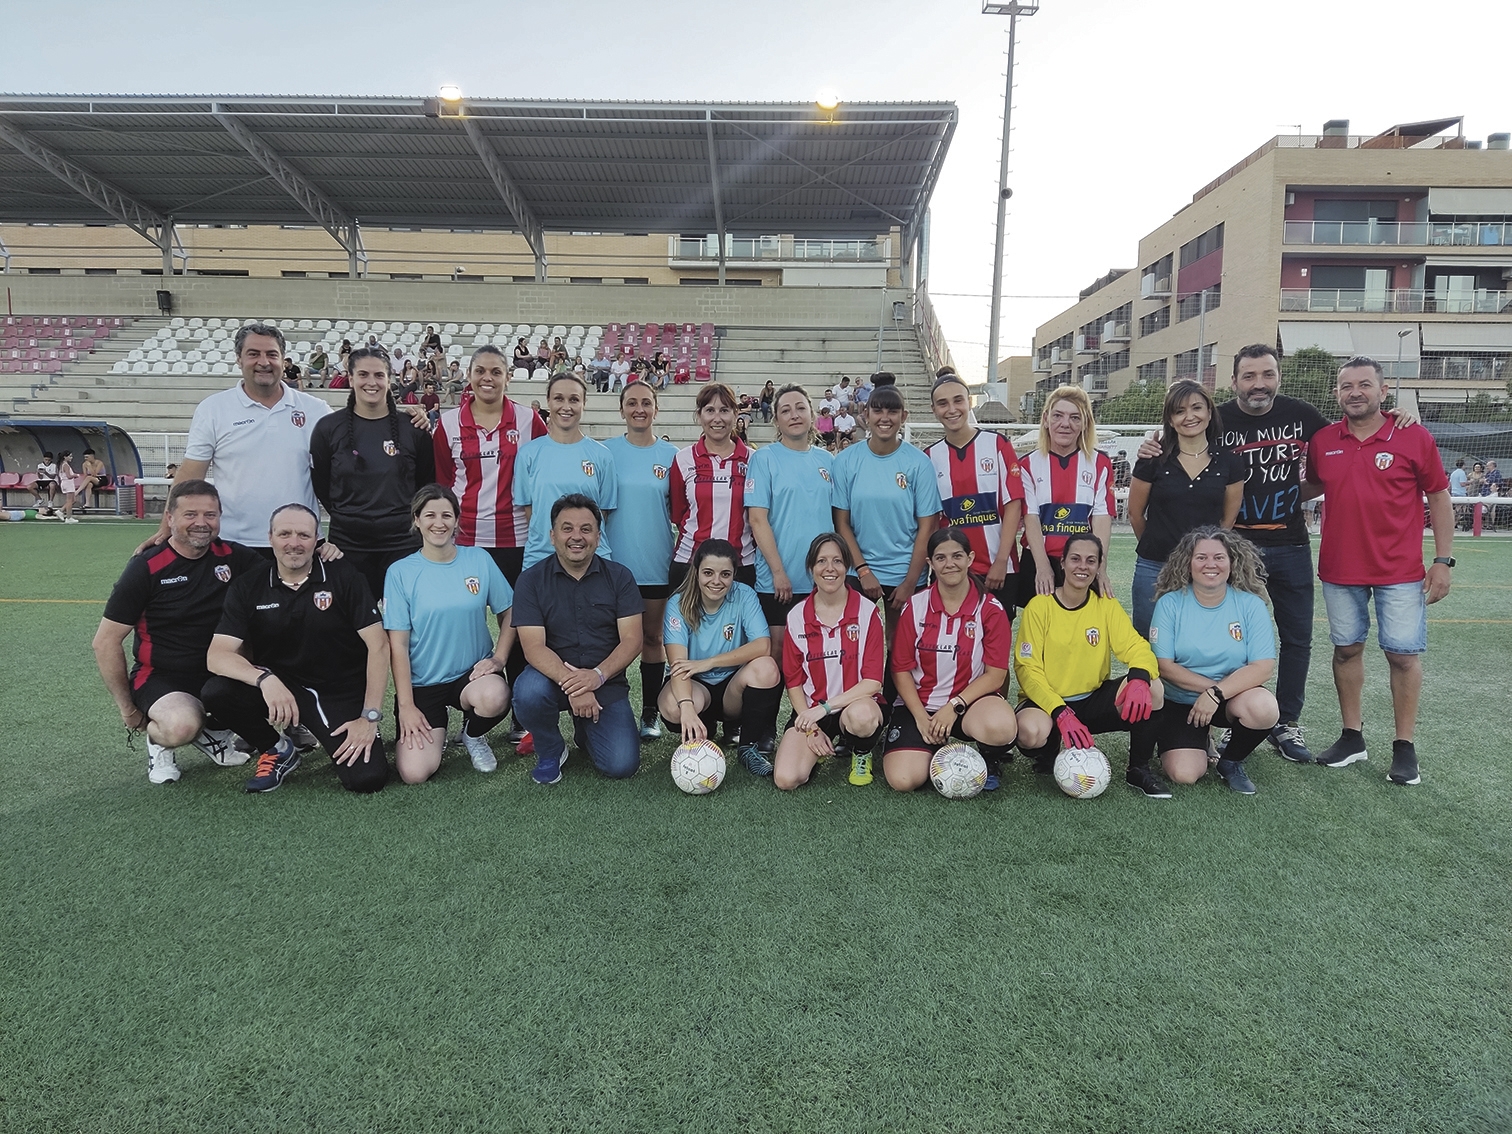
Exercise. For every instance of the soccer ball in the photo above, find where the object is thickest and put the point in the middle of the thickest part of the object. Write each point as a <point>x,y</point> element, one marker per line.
<point>1082,773</point>
<point>698,767</point>
<point>958,771</point>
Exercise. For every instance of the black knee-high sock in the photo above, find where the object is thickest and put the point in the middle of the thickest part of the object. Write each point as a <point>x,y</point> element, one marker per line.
<point>1142,737</point>
<point>859,745</point>
<point>1243,741</point>
<point>653,677</point>
<point>475,726</point>
<point>995,755</point>
<point>758,716</point>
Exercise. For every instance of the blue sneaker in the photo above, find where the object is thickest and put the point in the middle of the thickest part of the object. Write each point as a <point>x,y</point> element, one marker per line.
<point>1232,773</point>
<point>548,772</point>
<point>753,761</point>
<point>274,766</point>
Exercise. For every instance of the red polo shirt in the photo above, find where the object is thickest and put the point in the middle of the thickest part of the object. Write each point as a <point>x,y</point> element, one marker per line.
<point>1373,516</point>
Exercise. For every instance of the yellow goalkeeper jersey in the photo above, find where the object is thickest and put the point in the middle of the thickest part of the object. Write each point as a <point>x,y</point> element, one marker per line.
<point>1063,654</point>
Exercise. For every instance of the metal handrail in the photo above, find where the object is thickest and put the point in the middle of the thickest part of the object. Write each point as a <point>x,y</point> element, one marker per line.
<point>1426,234</point>
<point>1396,301</point>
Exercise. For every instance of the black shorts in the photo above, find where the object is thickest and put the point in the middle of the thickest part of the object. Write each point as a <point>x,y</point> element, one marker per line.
<point>159,683</point>
<point>829,725</point>
<point>1097,710</point>
<point>434,700</point>
<point>775,609</point>
<point>677,572</point>
<point>661,591</point>
<point>1007,594</point>
<point>1026,580</point>
<point>712,715</point>
<point>903,732</point>
<point>510,561</point>
<point>1172,730</point>
<point>373,565</point>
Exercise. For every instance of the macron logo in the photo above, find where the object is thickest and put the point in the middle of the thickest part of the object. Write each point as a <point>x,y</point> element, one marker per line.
<point>175,579</point>
<point>244,421</point>
<point>1333,453</point>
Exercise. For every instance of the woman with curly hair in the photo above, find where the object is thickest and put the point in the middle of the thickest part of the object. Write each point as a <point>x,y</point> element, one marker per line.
<point>1213,640</point>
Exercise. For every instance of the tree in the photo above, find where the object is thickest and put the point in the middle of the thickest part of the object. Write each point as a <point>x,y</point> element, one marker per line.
<point>1309,376</point>
<point>1140,404</point>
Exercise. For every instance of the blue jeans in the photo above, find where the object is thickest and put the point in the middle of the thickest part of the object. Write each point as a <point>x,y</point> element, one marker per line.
<point>613,740</point>
<point>1145,571</point>
<point>1290,584</point>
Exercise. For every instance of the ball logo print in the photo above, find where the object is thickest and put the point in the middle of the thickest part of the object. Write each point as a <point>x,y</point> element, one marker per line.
<point>473,584</point>
<point>223,573</point>
<point>587,468</point>
<point>297,417</point>
<point>1093,637</point>
<point>1082,773</point>
<point>1384,460</point>
<point>322,600</point>
<point>390,449</point>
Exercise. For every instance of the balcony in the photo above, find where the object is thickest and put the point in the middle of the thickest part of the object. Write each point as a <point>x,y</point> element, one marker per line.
<point>1398,301</point>
<point>1154,287</point>
<point>775,251</point>
<point>1086,344</point>
<point>1420,234</point>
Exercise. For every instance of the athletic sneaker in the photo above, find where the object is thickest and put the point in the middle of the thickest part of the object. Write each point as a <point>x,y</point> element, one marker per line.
<point>861,769</point>
<point>1287,740</point>
<point>515,735</point>
<point>303,738</point>
<point>1348,749</point>
<point>274,765</point>
<point>1404,765</point>
<point>162,768</point>
<point>220,745</point>
<point>525,746</point>
<point>483,758</point>
<point>650,730</point>
<point>753,761</point>
<point>1232,773</point>
<point>994,776</point>
<point>69,520</point>
<point>1144,779</point>
<point>548,772</point>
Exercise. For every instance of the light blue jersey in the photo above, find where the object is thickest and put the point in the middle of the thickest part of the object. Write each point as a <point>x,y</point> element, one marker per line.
<point>886,497</point>
<point>442,607</point>
<point>1212,641</point>
<point>641,526</point>
<point>546,470</point>
<point>737,622</point>
<point>795,487</point>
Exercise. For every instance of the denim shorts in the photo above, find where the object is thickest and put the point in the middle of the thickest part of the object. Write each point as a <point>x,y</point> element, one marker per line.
<point>1401,616</point>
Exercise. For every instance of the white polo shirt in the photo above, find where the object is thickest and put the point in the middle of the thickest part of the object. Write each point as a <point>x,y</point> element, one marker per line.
<point>261,456</point>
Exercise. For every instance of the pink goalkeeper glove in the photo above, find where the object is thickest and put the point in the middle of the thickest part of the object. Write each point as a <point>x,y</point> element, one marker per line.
<point>1074,734</point>
<point>1133,700</point>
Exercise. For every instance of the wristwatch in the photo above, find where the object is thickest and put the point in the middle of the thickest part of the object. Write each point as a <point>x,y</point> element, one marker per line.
<point>1446,560</point>
<point>372,716</point>
<point>959,704</point>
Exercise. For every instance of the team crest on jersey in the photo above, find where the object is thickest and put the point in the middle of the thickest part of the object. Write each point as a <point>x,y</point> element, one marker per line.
<point>740,468</point>
<point>298,418</point>
<point>1093,637</point>
<point>1236,631</point>
<point>1026,650</point>
<point>473,584</point>
<point>902,479</point>
<point>989,465</point>
<point>223,573</point>
<point>674,623</point>
<point>1383,460</point>
<point>825,474</point>
<point>970,629</point>
<point>513,436</point>
<point>322,600</point>
<point>587,468</point>
<point>853,632</point>
<point>1086,476</point>
<point>390,449</point>
<point>729,632</point>
<point>659,472</point>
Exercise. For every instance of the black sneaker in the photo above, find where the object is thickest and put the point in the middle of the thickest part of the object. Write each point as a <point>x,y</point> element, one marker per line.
<point>1232,773</point>
<point>1404,765</point>
<point>274,766</point>
<point>1347,750</point>
<point>1286,738</point>
<point>1145,780</point>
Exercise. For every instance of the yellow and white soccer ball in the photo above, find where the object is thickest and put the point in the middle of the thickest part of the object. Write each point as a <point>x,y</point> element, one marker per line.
<point>698,767</point>
<point>1083,773</point>
<point>958,771</point>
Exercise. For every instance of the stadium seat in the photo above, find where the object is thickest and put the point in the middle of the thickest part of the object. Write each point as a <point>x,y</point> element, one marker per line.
<point>192,356</point>
<point>450,329</point>
<point>306,325</point>
<point>180,368</point>
<point>176,321</point>
<point>522,331</point>
<point>469,328</point>
<point>221,368</point>
<point>199,368</point>
<point>135,355</point>
<point>173,355</point>
<point>160,368</point>
<point>195,322</point>
<point>121,366</point>
<point>454,351</point>
<point>576,332</point>
<point>341,326</point>
<point>415,328</point>
<point>540,374</point>
<point>360,327</point>
<point>139,368</point>
<point>520,374</point>
<point>379,328</point>
<point>483,328</point>
<point>539,331</point>
<point>154,355</point>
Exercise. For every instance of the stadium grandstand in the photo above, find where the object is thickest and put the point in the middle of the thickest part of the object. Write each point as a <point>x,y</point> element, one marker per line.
<point>745,242</point>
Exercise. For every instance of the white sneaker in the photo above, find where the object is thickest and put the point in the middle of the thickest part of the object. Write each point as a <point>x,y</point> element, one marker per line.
<point>483,758</point>
<point>69,520</point>
<point>220,745</point>
<point>162,768</point>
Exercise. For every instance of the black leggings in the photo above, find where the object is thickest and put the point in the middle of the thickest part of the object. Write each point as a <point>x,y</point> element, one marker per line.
<point>241,708</point>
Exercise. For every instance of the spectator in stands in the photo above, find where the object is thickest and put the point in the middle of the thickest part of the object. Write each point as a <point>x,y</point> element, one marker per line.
<point>522,357</point>
<point>535,408</point>
<point>173,626</point>
<point>1459,485</point>
<point>171,471</point>
<point>409,385</point>
<point>842,394</point>
<point>619,372</point>
<point>709,487</point>
<point>68,485</point>
<point>598,369</point>
<point>845,427</point>
<point>1493,477</point>
<point>565,461</point>
<point>93,476</point>
<point>764,402</point>
<point>742,423</point>
<point>432,341</point>
<point>862,396</point>
<point>292,375</point>
<point>661,372</point>
<point>543,354</point>
<point>341,355</point>
<point>578,616</point>
<point>431,401</point>
<point>372,341</point>
<point>401,362</point>
<point>46,488</point>
<point>824,425</point>
<point>318,371</point>
<point>366,462</point>
<point>455,380</point>
<point>1477,479</point>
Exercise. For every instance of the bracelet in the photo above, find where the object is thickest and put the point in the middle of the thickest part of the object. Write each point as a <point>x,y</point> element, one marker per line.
<point>863,567</point>
<point>1217,695</point>
<point>825,705</point>
<point>685,701</point>
<point>602,679</point>
<point>263,676</point>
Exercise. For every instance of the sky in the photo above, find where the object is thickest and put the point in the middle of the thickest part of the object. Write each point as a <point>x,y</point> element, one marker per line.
<point>1121,110</point>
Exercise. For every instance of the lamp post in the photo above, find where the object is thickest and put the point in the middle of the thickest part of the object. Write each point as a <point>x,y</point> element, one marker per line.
<point>1013,10</point>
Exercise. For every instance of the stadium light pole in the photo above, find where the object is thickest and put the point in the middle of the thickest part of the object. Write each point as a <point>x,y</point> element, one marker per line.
<point>1013,10</point>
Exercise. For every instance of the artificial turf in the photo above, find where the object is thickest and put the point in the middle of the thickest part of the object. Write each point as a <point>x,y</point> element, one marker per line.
<point>479,953</point>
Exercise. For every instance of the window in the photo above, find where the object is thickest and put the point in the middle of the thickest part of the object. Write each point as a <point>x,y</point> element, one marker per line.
<point>44,271</point>
<point>1205,245</point>
<point>224,272</point>
<point>1192,306</point>
<point>1354,210</point>
<point>1157,320</point>
<point>294,275</point>
<point>405,276</point>
<point>1153,371</point>
<point>585,279</point>
<point>638,281</point>
<point>1156,279</point>
<point>99,271</point>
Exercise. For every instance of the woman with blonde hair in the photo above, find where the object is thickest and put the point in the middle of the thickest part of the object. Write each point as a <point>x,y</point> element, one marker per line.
<point>1068,491</point>
<point>1213,640</point>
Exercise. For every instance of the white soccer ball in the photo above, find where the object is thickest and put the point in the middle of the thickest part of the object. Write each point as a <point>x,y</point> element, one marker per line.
<point>958,771</point>
<point>698,767</point>
<point>1083,773</point>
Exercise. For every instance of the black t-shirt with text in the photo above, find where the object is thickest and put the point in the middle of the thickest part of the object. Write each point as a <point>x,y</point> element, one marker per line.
<point>309,635</point>
<point>1273,445</point>
<point>369,498</point>
<point>1178,503</point>
<point>174,604</point>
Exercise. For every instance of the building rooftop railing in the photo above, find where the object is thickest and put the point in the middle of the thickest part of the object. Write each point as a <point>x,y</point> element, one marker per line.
<point>1428,234</point>
<point>1395,301</point>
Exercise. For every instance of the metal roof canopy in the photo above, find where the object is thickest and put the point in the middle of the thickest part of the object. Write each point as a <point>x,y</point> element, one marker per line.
<point>521,165</point>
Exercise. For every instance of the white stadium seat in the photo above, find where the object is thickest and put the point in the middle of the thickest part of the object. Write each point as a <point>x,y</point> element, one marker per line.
<point>139,368</point>
<point>520,374</point>
<point>449,329</point>
<point>341,326</point>
<point>469,328</point>
<point>539,330</point>
<point>196,322</point>
<point>596,332</point>
<point>174,355</point>
<point>479,340</point>
<point>221,368</point>
<point>454,351</point>
<point>160,368</point>
<point>379,328</point>
<point>483,328</point>
<point>360,327</point>
<point>135,356</point>
<point>199,368</point>
<point>306,325</point>
<point>154,355</point>
<point>192,356</point>
<point>212,323</point>
<point>180,368</point>
<point>576,332</point>
<point>540,374</point>
<point>176,321</point>
<point>415,328</point>
<point>323,325</point>
<point>121,366</point>
<point>500,340</point>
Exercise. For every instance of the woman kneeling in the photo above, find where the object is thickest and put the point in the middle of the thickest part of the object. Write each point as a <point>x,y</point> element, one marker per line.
<point>1212,635</point>
<point>719,658</point>
<point>949,661</point>
<point>832,663</point>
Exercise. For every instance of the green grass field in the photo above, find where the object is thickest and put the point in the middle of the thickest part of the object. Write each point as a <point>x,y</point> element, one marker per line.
<point>481,954</point>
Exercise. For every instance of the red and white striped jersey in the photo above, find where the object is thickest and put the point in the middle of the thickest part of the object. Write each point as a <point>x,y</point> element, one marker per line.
<point>708,500</point>
<point>947,652</point>
<point>1065,493</point>
<point>478,465</point>
<point>827,660</point>
<point>977,482</point>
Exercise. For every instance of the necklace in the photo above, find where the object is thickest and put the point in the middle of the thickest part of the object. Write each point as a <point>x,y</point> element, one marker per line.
<point>1192,453</point>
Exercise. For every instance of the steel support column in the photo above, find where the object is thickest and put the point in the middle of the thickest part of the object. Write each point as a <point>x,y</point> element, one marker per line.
<point>498,173</point>
<point>714,186</point>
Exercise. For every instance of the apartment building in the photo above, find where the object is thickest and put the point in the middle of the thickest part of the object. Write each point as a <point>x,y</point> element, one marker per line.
<point>1397,245</point>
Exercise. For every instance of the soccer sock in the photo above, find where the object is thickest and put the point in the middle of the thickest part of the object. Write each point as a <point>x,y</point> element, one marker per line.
<point>1043,757</point>
<point>758,715</point>
<point>653,677</point>
<point>1142,742</point>
<point>1243,741</point>
<point>476,726</point>
<point>859,745</point>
